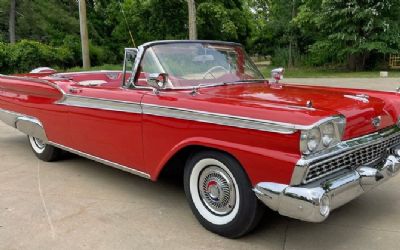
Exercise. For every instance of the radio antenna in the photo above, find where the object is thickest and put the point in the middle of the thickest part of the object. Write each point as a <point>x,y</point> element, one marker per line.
<point>127,24</point>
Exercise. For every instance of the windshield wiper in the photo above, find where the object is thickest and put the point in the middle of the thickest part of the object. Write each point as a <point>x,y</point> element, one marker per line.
<point>220,84</point>
<point>244,81</point>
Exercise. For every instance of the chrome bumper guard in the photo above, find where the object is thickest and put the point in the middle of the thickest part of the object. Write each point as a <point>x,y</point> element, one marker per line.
<point>313,202</point>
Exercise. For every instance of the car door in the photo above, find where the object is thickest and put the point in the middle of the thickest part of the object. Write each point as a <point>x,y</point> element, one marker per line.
<point>107,123</point>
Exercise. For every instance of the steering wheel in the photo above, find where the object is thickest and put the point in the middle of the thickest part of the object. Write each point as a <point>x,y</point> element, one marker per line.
<point>208,72</point>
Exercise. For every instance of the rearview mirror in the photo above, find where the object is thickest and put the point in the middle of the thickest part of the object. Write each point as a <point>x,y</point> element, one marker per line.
<point>203,58</point>
<point>157,80</point>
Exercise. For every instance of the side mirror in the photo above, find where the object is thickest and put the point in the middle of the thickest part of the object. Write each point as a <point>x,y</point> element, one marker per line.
<point>277,74</point>
<point>157,80</point>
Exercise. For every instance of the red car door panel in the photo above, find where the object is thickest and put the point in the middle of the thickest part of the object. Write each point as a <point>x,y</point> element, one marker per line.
<point>107,123</point>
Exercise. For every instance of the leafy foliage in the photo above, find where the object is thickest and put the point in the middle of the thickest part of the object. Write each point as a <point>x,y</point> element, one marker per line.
<point>27,55</point>
<point>351,31</point>
<point>355,34</point>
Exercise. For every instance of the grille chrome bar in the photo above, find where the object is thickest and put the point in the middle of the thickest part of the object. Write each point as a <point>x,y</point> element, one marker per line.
<point>352,153</point>
<point>362,156</point>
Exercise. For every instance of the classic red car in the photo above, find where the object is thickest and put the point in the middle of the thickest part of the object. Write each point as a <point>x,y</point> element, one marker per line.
<point>204,109</point>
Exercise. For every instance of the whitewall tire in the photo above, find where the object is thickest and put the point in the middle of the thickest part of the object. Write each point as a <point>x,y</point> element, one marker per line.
<point>44,151</point>
<point>220,194</point>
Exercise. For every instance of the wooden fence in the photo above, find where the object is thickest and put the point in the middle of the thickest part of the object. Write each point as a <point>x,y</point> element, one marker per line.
<point>394,61</point>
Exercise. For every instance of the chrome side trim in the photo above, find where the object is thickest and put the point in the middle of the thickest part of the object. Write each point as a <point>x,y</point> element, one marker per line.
<point>26,124</point>
<point>100,160</point>
<point>348,146</point>
<point>221,119</point>
<point>32,126</point>
<point>186,114</point>
<point>98,103</point>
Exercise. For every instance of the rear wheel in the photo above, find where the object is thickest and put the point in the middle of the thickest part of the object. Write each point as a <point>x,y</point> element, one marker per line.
<point>220,194</point>
<point>44,151</point>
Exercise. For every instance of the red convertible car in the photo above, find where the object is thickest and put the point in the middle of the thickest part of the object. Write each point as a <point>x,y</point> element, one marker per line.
<point>203,108</point>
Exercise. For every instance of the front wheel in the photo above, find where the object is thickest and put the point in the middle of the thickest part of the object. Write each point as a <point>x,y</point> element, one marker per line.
<point>44,151</point>
<point>220,194</point>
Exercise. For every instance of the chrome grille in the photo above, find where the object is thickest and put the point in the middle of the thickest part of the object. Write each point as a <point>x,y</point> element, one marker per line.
<point>352,159</point>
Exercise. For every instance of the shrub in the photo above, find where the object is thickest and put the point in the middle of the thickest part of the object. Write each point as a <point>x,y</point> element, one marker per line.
<point>27,55</point>
<point>4,58</point>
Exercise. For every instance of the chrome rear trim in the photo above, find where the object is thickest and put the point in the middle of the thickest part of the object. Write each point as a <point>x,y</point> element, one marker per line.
<point>100,160</point>
<point>26,124</point>
<point>31,126</point>
<point>9,117</point>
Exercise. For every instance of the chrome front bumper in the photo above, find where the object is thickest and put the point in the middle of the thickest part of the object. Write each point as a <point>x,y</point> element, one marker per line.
<point>314,201</point>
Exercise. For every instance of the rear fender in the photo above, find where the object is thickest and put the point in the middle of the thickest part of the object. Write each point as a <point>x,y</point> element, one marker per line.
<point>27,125</point>
<point>25,87</point>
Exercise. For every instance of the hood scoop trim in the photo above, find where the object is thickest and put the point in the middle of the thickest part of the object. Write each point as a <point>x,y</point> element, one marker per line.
<point>359,97</point>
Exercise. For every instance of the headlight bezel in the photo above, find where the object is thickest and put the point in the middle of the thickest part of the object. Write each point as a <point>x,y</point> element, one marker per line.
<point>338,123</point>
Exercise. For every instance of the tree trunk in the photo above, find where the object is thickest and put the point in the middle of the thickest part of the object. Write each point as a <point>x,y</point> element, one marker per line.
<point>356,62</point>
<point>290,54</point>
<point>12,21</point>
<point>84,34</point>
<point>192,20</point>
<point>290,59</point>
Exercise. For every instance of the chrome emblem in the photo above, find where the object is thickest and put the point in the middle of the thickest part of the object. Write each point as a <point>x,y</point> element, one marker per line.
<point>376,122</point>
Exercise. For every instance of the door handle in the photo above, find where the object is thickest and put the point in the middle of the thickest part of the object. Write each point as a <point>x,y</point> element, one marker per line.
<point>73,90</point>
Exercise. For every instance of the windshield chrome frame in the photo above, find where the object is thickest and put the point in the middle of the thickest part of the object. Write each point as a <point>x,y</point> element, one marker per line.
<point>143,48</point>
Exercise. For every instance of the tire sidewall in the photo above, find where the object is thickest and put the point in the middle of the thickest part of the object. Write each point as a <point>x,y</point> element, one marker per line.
<point>197,200</point>
<point>246,213</point>
<point>48,153</point>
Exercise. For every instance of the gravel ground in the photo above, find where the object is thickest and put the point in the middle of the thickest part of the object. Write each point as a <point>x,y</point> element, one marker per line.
<point>80,204</point>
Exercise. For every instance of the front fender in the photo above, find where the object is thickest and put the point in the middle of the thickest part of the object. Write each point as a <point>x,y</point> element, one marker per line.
<point>259,163</point>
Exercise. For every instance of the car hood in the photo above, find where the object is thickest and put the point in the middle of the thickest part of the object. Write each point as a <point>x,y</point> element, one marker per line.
<point>306,104</point>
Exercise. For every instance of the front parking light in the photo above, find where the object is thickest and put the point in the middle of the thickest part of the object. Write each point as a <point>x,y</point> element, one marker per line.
<point>324,204</point>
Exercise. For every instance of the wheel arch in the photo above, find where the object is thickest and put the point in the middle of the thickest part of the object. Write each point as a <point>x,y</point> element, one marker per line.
<point>176,159</point>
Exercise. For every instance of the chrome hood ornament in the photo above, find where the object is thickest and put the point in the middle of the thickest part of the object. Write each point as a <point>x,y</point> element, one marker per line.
<point>277,75</point>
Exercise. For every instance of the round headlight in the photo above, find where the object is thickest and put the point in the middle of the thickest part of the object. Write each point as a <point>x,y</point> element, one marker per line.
<point>328,133</point>
<point>324,206</point>
<point>314,138</point>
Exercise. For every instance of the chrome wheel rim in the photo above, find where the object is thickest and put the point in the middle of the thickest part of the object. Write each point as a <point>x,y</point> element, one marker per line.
<point>217,190</point>
<point>38,145</point>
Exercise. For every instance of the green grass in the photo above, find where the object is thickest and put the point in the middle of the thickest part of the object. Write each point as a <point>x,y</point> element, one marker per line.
<point>324,73</point>
<point>102,67</point>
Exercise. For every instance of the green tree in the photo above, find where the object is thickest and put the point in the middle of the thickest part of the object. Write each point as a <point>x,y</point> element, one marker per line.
<point>351,31</point>
<point>223,20</point>
<point>274,32</point>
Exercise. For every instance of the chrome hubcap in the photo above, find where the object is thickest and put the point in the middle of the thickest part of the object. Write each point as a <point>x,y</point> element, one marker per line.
<point>39,143</point>
<point>217,190</point>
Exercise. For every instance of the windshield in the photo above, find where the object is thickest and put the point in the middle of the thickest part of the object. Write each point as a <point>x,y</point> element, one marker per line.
<point>194,64</point>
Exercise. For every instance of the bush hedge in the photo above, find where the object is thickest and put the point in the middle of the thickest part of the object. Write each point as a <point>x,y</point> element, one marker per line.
<point>26,55</point>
